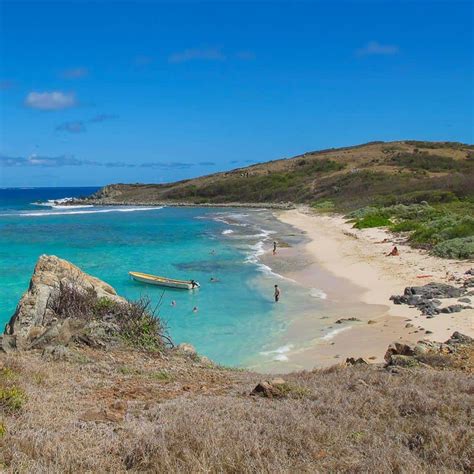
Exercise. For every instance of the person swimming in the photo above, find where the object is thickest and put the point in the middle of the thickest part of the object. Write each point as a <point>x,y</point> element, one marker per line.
<point>214,280</point>
<point>195,309</point>
<point>173,303</point>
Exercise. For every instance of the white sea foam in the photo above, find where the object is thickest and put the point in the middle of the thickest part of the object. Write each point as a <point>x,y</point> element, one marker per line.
<point>258,250</point>
<point>227,232</point>
<point>52,202</point>
<point>317,293</point>
<point>281,358</point>
<point>230,221</point>
<point>279,353</point>
<point>61,204</point>
<point>95,211</point>
<point>331,334</point>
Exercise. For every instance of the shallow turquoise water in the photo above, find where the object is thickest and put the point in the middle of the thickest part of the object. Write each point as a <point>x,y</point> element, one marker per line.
<point>236,316</point>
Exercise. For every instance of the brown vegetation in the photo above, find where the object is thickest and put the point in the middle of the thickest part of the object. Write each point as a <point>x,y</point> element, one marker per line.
<point>123,410</point>
<point>351,177</point>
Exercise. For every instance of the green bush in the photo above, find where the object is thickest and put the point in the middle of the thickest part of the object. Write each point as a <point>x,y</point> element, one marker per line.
<point>323,206</point>
<point>446,227</point>
<point>461,248</point>
<point>12,398</point>
<point>435,145</point>
<point>372,221</point>
<point>364,212</point>
<point>405,226</point>
<point>417,197</point>
<point>427,162</point>
<point>137,324</point>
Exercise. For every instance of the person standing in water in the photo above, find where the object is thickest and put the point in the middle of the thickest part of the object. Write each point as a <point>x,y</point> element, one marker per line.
<point>277,294</point>
<point>274,248</point>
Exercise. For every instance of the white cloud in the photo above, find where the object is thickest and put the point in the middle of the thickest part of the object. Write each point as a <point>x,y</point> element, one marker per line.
<point>375,48</point>
<point>210,54</point>
<point>50,100</point>
<point>75,73</point>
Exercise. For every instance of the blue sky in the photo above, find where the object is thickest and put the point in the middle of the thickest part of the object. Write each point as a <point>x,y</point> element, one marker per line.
<point>94,93</point>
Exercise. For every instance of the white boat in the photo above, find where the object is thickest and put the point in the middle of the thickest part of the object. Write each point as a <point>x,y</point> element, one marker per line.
<point>163,281</point>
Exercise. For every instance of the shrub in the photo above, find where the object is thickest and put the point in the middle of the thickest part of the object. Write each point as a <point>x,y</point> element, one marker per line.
<point>12,398</point>
<point>460,248</point>
<point>405,226</point>
<point>138,325</point>
<point>161,376</point>
<point>372,221</point>
<point>427,162</point>
<point>435,145</point>
<point>363,212</point>
<point>446,227</point>
<point>417,197</point>
<point>323,206</point>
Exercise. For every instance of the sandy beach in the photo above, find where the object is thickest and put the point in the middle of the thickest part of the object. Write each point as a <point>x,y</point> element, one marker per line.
<point>359,258</point>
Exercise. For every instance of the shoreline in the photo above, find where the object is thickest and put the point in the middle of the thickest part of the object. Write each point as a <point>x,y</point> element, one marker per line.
<point>358,257</point>
<point>350,277</point>
<point>248,205</point>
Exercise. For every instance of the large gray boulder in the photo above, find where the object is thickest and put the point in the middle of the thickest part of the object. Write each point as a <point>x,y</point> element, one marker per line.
<point>34,324</point>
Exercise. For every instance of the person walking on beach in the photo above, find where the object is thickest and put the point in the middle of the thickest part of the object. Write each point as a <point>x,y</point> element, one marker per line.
<point>274,248</point>
<point>277,294</point>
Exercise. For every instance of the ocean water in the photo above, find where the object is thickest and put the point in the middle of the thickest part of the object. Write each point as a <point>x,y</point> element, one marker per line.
<point>237,321</point>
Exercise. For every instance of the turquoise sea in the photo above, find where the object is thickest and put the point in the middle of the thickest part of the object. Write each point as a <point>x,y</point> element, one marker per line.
<point>237,320</point>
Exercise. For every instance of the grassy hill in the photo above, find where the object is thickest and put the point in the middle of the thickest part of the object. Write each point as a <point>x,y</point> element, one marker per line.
<point>389,173</point>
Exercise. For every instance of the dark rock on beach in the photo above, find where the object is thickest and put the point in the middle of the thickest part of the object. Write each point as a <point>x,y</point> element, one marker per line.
<point>434,290</point>
<point>427,298</point>
<point>345,320</point>
<point>454,308</point>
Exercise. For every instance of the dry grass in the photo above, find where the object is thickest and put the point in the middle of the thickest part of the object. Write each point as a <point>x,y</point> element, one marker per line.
<point>361,173</point>
<point>128,411</point>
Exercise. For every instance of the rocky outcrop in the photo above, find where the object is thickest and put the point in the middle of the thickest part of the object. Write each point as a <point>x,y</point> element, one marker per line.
<point>407,354</point>
<point>270,388</point>
<point>35,325</point>
<point>111,191</point>
<point>427,298</point>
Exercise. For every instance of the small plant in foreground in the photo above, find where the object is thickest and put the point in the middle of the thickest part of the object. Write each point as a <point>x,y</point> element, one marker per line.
<point>161,376</point>
<point>137,324</point>
<point>12,398</point>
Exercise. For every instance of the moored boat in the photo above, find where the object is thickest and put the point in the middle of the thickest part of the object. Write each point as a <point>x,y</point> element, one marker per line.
<point>163,281</point>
